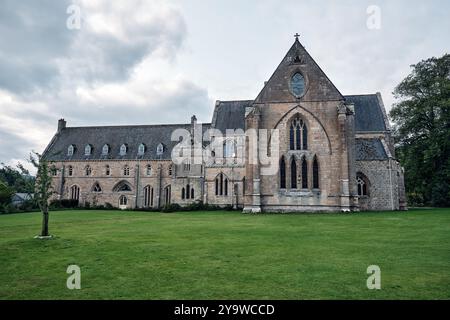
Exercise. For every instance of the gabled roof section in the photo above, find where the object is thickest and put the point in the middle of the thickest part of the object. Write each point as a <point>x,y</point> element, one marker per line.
<point>114,136</point>
<point>318,85</point>
<point>370,115</point>
<point>230,115</point>
<point>370,149</point>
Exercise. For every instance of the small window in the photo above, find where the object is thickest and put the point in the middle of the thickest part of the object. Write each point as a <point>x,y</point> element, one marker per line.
<point>148,170</point>
<point>53,171</point>
<point>70,171</point>
<point>97,188</point>
<point>123,149</point>
<point>126,170</point>
<point>159,149</point>
<point>123,201</point>
<point>70,150</point>
<point>187,166</point>
<point>107,170</point>
<point>362,185</point>
<point>105,150</point>
<point>87,150</point>
<point>88,170</point>
<point>170,170</point>
<point>141,149</point>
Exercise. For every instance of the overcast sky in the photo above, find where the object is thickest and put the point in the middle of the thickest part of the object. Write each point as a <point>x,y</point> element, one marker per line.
<point>144,62</point>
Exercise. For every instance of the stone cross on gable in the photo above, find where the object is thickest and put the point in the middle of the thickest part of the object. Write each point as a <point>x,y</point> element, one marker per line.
<point>296,36</point>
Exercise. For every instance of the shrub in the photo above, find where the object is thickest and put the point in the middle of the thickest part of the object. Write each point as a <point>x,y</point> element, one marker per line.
<point>171,207</point>
<point>64,204</point>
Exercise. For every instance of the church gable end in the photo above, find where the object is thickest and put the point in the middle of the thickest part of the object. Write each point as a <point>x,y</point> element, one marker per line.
<point>286,83</point>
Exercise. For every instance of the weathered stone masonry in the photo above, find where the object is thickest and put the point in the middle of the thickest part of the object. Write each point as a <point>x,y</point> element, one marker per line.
<point>336,152</point>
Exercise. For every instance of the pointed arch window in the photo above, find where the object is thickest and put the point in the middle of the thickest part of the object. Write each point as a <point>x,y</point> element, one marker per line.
<point>304,173</point>
<point>293,173</point>
<point>105,149</point>
<point>148,197</point>
<point>70,150</point>
<point>183,193</point>
<point>221,185</point>
<point>167,194</point>
<point>187,191</point>
<point>75,192</point>
<point>88,150</point>
<point>122,186</point>
<point>159,149</point>
<point>187,165</point>
<point>141,149</point>
<point>192,193</point>
<point>97,188</point>
<point>315,173</point>
<point>362,184</point>
<point>298,134</point>
<point>123,149</point>
<point>282,173</point>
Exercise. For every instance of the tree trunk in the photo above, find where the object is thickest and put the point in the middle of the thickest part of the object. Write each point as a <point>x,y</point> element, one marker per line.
<point>44,232</point>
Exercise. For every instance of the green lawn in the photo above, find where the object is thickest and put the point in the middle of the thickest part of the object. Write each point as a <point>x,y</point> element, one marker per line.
<point>226,255</point>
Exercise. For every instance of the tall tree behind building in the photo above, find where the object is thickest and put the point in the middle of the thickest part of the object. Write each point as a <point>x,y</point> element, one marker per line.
<point>422,129</point>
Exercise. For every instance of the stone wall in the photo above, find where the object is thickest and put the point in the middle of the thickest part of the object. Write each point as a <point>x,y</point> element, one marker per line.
<point>383,189</point>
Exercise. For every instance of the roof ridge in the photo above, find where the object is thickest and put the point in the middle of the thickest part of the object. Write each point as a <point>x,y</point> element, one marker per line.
<point>246,100</point>
<point>360,94</point>
<point>137,125</point>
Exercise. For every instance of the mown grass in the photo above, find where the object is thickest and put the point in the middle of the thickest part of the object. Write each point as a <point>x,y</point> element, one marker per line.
<point>226,255</point>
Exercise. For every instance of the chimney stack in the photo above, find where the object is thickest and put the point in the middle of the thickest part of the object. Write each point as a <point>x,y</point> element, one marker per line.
<point>61,124</point>
<point>193,120</point>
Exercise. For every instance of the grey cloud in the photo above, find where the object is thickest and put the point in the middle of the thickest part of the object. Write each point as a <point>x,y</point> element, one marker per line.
<point>14,146</point>
<point>38,51</point>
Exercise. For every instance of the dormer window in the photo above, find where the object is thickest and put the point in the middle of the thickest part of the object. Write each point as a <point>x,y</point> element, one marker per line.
<point>87,150</point>
<point>123,149</point>
<point>70,150</point>
<point>141,149</point>
<point>105,150</point>
<point>159,149</point>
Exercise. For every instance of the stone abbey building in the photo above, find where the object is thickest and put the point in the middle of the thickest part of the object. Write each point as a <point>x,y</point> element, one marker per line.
<point>326,151</point>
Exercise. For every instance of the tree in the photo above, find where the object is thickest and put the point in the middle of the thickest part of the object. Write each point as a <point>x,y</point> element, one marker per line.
<point>43,188</point>
<point>19,180</point>
<point>422,129</point>
<point>5,193</point>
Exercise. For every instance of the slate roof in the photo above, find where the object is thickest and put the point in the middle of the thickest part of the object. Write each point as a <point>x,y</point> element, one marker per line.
<point>230,115</point>
<point>114,136</point>
<point>227,115</point>
<point>369,149</point>
<point>368,112</point>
